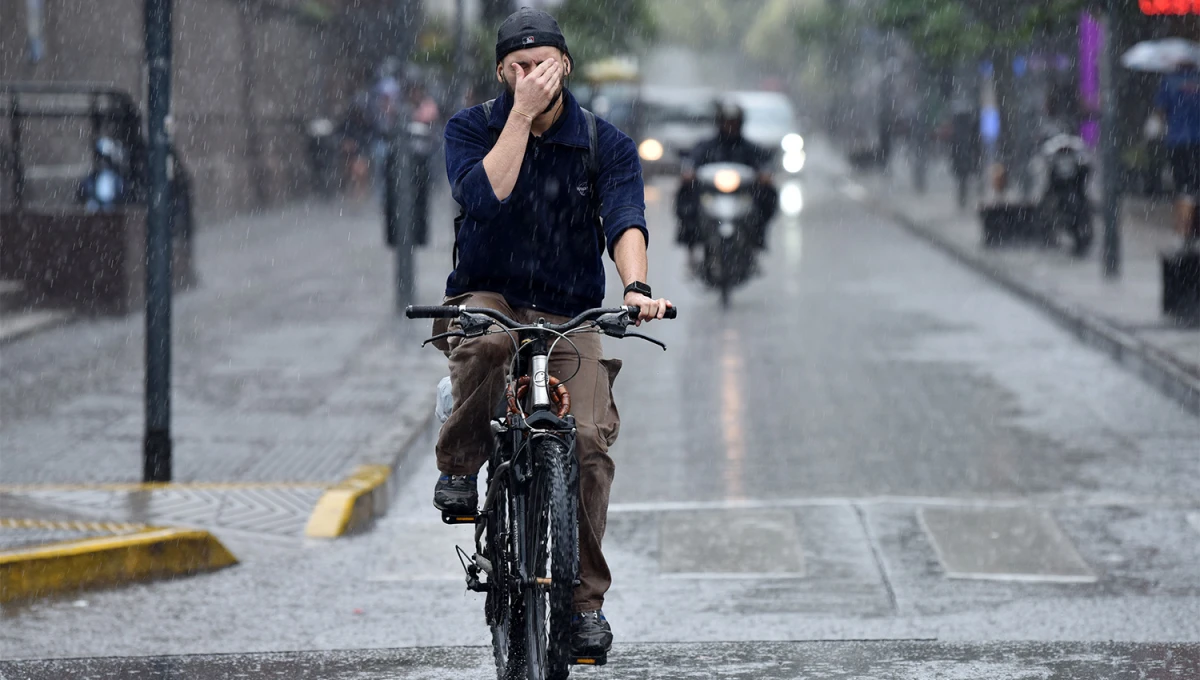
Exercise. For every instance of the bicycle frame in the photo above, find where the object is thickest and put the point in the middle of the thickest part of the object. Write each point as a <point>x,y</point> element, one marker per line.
<point>512,459</point>
<point>529,511</point>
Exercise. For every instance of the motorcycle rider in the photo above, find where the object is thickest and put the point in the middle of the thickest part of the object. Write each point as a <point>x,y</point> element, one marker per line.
<point>729,146</point>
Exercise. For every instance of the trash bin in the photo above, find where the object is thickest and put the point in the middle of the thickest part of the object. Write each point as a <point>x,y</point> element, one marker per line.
<point>1181,284</point>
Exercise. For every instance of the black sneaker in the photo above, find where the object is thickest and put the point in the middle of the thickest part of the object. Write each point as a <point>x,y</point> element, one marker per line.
<point>590,634</point>
<point>456,494</point>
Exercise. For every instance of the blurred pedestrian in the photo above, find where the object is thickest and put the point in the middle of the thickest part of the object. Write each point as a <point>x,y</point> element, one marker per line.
<point>424,116</point>
<point>966,148</point>
<point>1178,104</point>
<point>357,132</point>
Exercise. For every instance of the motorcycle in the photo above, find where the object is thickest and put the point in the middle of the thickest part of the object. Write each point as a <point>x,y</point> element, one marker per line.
<point>1064,206</point>
<point>728,224</point>
<point>107,185</point>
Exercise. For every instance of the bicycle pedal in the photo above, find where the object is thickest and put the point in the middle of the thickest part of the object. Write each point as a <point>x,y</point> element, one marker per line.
<point>598,660</point>
<point>448,518</point>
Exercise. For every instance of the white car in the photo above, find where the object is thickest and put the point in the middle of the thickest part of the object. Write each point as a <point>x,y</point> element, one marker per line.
<point>771,123</point>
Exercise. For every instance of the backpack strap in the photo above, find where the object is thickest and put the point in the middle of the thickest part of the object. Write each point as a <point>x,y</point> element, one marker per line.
<point>487,113</point>
<point>593,169</point>
<point>593,163</point>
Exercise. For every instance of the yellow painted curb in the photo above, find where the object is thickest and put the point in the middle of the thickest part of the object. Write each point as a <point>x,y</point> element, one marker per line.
<point>349,505</point>
<point>111,560</point>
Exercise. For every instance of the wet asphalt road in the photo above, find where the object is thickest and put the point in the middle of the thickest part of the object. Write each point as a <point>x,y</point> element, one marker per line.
<point>748,661</point>
<point>873,443</point>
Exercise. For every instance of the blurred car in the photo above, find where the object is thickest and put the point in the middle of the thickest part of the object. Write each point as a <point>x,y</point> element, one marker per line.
<point>674,121</point>
<point>771,122</point>
<point>611,88</point>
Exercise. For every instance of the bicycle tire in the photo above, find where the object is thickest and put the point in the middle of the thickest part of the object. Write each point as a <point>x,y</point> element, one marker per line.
<point>553,536</point>
<point>504,612</point>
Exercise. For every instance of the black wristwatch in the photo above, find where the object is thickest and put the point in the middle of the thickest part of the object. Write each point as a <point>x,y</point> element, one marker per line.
<point>638,287</point>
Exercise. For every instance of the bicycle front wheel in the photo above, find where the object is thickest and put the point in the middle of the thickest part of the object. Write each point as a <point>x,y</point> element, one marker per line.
<point>504,608</point>
<point>553,553</point>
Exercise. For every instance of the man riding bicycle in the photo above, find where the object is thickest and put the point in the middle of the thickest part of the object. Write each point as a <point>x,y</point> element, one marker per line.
<point>539,205</point>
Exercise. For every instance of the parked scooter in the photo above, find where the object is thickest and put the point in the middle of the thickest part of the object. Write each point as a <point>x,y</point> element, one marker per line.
<point>728,225</point>
<point>107,185</point>
<point>1064,207</point>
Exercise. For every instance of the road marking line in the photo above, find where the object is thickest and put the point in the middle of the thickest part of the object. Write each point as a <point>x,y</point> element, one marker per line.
<point>164,486</point>
<point>1046,501</point>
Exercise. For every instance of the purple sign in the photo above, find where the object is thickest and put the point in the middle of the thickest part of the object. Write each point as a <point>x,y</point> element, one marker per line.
<point>1091,41</point>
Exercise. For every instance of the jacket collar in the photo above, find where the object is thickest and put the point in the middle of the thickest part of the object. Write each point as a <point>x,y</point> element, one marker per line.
<point>570,129</point>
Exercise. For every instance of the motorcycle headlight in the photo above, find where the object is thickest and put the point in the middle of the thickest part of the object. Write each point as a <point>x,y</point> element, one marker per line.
<point>650,150</point>
<point>727,181</point>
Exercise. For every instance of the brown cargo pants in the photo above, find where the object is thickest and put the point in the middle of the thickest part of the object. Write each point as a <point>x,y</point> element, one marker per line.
<point>477,368</point>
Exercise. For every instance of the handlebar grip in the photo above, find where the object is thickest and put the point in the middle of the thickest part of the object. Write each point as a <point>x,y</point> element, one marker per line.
<point>428,312</point>
<point>672,311</point>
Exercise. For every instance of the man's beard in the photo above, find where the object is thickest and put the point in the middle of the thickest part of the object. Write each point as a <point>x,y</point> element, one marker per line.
<point>562,85</point>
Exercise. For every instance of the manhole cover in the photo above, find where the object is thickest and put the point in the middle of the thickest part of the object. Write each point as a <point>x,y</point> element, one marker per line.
<point>730,544</point>
<point>1003,544</point>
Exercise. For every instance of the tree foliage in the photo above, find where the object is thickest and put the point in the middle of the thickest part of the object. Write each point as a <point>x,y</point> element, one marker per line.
<point>947,31</point>
<point>599,29</point>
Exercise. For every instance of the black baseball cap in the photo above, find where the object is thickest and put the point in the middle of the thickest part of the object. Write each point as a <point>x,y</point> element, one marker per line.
<point>525,28</point>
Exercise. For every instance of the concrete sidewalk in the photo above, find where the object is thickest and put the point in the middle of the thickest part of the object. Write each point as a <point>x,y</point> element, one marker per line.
<point>1122,317</point>
<point>293,379</point>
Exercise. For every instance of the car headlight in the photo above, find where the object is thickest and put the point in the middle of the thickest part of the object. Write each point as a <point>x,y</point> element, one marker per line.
<point>792,143</point>
<point>650,150</point>
<point>793,161</point>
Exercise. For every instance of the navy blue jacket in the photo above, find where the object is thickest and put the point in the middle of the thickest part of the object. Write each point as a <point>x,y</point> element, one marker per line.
<point>539,248</point>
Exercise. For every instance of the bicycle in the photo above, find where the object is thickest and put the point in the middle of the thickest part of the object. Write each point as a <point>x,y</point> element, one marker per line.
<point>526,557</point>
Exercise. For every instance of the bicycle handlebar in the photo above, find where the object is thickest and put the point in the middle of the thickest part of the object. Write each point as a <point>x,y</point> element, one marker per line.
<point>431,312</point>
<point>448,312</point>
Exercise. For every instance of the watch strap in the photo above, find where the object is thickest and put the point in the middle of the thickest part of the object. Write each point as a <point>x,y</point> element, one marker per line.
<point>638,287</point>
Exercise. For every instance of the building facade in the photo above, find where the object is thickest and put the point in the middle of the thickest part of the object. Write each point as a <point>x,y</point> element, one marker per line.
<point>248,76</point>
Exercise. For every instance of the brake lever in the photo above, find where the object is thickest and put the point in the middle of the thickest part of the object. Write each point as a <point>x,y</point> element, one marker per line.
<point>646,338</point>
<point>440,336</point>
<point>472,327</point>
<point>613,325</point>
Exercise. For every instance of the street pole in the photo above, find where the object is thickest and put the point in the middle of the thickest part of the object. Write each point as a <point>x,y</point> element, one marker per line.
<point>1111,255</point>
<point>401,213</point>
<point>157,443</point>
<point>458,83</point>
